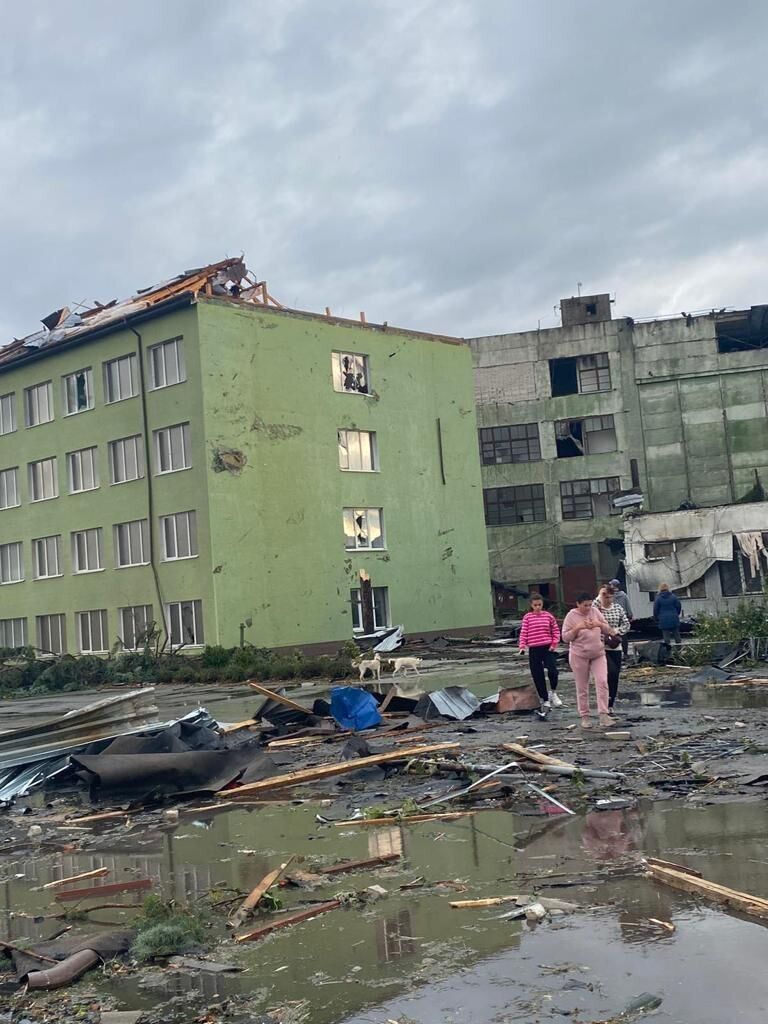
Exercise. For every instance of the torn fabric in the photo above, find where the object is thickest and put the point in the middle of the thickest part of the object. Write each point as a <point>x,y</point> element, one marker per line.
<point>752,546</point>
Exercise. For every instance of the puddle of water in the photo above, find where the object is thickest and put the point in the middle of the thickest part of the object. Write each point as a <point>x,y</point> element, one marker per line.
<point>699,696</point>
<point>410,951</point>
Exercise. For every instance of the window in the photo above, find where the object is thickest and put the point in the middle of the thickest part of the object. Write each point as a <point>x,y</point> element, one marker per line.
<point>184,621</point>
<point>577,554</point>
<point>350,372</point>
<point>87,552</point>
<point>9,488</point>
<point>78,391</point>
<point>172,451</point>
<point>166,364</point>
<point>585,499</point>
<point>43,480</point>
<point>380,596</point>
<point>13,633</point>
<point>82,470</point>
<point>131,543</point>
<point>358,452</point>
<point>736,577</point>
<point>179,534</point>
<point>46,557</point>
<point>744,331</point>
<point>659,549</point>
<point>52,634</point>
<point>363,529</point>
<point>515,443</point>
<point>92,631</point>
<point>505,506</point>
<point>126,459</point>
<point>7,413</point>
<point>11,562</point>
<point>38,404</point>
<point>580,375</point>
<point>120,378</point>
<point>588,436</point>
<point>136,625</point>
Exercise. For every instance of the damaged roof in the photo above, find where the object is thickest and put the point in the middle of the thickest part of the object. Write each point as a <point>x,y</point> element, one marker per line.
<point>228,279</point>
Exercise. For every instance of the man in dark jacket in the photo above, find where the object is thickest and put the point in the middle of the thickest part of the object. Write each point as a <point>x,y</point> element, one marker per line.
<point>666,611</point>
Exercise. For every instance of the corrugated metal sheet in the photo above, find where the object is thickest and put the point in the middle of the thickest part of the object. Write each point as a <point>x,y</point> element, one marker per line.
<point>453,702</point>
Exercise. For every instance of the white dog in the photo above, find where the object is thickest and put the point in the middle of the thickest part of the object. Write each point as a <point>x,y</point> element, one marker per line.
<point>404,664</point>
<point>373,664</point>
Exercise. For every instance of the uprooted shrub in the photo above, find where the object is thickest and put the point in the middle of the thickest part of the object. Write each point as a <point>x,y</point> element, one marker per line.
<point>165,929</point>
<point>746,619</point>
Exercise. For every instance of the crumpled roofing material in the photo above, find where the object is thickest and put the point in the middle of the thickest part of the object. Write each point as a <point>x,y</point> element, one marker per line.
<point>453,702</point>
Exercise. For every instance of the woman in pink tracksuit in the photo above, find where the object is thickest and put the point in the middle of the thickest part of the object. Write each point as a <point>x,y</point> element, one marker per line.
<point>583,629</point>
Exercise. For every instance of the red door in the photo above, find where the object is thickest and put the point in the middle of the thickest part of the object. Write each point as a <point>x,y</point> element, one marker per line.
<point>576,579</point>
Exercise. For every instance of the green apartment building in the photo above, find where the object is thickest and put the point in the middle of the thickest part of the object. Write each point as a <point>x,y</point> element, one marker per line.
<point>200,458</point>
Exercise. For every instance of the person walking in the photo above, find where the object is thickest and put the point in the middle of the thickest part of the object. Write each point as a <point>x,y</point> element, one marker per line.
<point>621,597</point>
<point>666,612</point>
<point>583,629</point>
<point>617,619</point>
<point>540,635</point>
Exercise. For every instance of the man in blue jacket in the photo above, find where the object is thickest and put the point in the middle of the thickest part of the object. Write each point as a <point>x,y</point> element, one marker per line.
<point>666,611</point>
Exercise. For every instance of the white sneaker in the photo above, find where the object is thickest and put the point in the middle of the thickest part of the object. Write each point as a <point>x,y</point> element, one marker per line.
<point>554,700</point>
<point>545,705</point>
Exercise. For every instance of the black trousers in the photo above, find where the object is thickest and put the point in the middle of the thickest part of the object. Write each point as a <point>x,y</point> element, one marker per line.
<point>614,670</point>
<point>539,659</point>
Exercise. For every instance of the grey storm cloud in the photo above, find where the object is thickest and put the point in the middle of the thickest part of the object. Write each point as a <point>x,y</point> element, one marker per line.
<point>450,165</point>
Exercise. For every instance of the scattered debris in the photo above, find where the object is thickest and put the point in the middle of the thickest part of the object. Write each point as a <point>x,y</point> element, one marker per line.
<point>253,899</point>
<point>288,920</point>
<point>689,881</point>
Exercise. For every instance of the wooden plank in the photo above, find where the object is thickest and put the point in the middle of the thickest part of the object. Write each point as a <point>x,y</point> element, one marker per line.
<point>410,819</point>
<point>298,741</point>
<point>103,816</point>
<point>491,901</point>
<point>278,697</point>
<point>534,755</point>
<point>98,873</point>
<point>251,901</point>
<point>95,891</point>
<point>743,902</point>
<point>236,726</point>
<point>285,922</point>
<point>656,862</point>
<point>357,865</point>
<point>328,771</point>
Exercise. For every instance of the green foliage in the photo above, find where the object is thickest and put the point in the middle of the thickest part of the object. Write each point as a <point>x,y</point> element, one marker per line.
<point>166,929</point>
<point>748,618</point>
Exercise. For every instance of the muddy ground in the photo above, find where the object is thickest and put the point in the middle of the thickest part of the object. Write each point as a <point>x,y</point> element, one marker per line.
<point>691,793</point>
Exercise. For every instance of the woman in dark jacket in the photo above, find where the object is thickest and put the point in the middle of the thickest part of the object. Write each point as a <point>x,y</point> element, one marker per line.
<point>666,611</point>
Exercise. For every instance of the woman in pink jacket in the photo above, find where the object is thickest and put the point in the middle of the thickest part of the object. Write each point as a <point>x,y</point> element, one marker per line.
<point>540,635</point>
<point>583,629</point>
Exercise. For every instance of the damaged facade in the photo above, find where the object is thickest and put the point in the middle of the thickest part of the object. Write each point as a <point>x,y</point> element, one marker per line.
<point>202,458</point>
<point>671,409</point>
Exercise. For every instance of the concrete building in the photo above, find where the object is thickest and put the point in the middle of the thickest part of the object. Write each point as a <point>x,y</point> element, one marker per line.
<point>673,408</point>
<point>201,458</point>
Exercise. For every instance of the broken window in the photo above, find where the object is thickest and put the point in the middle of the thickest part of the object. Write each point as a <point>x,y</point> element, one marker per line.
<point>658,549</point>
<point>126,459</point>
<point>746,331</point>
<point>358,452</point>
<point>185,622</point>
<point>52,633</point>
<point>82,470</point>
<point>591,435</point>
<point>586,499</point>
<point>380,607</point>
<point>172,449</point>
<point>736,577</point>
<point>350,372</point>
<point>92,631</point>
<point>506,506</point>
<point>78,391</point>
<point>87,550</point>
<point>580,375</point>
<point>38,404</point>
<point>363,529</point>
<point>7,413</point>
<point>120,378</point>
<point>518,442</point>
<point>136,625</point>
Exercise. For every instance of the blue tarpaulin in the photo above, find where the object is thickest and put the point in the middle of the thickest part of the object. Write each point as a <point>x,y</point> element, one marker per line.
<point>353,708</point>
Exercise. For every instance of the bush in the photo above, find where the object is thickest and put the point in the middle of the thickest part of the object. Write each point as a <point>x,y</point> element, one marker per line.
<point>165,929</point>
<point>216,657</point>
<point>748,618</point>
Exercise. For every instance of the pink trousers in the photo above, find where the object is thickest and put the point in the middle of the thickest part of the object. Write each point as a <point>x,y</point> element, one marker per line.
<point>581,668</point>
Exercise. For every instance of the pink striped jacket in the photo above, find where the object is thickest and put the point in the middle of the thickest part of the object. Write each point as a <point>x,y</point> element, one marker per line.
<point>539,629</point>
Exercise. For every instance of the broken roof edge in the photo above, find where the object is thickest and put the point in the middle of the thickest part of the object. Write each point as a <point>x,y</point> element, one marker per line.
<point>339,321</point>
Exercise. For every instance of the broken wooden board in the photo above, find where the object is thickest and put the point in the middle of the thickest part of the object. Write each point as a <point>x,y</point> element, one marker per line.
<point>95,891</point>
<point>357,865</point>
<point>251,901</point>
<point>328,771</point>
<point>491,901</point>
<point>733,899</point>
<point>287,920</point>
<point>534,755</point>
<point>271,695</point>
<point>97,873</point>
<point>408,819</point>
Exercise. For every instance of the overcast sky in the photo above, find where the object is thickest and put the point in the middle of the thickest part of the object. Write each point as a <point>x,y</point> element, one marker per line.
<point>450,165</point>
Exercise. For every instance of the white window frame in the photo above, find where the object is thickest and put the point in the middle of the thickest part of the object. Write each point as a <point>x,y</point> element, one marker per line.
<point>132,538</point>
<point>46,555</point>
<point>83,463</point>
<point>43,471</point>
<point>166,364</point>
<point>116,452</point>
<point>346,369</point>
<point>358,451</point>
<point>353,529</point>
<point>165,438</point>
<point>174,623</point>
<point>55,626</point>
<point>13,633</point>
<point>11,562</point>
<point>112,372</point>
<point>90,544</point>
<point>135,621</point>
<point>38,402</point>
<point>92,631</point>
<point>69,389</point>
<point>179,532</point>
<point>8,413</point>
<point>356,601</point>
<point>9,488</point>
